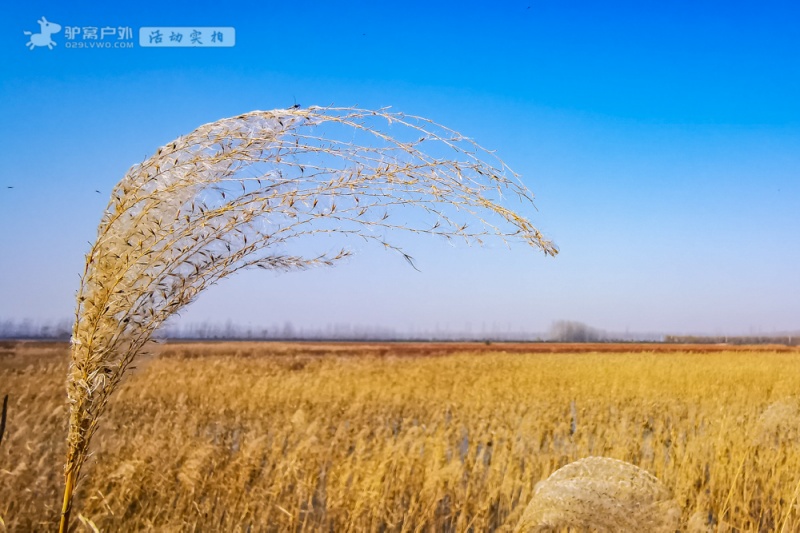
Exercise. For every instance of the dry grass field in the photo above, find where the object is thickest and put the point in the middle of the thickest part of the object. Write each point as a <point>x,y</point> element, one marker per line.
<point>401,437</point>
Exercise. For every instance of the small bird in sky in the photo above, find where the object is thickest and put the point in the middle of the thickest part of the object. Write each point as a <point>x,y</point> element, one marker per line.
<point>10,186</point>
<point>98,192</point>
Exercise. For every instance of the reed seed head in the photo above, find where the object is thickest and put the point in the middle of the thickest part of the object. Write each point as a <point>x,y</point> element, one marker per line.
<point>243,191</point>
<point>603,494</point>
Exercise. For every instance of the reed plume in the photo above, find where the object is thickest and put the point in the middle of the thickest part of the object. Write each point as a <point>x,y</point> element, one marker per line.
<point>237,193</point>
<point>778,425</point>
<point>602,494</point>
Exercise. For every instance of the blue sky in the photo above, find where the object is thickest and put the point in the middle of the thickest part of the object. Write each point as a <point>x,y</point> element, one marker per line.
<point>662,143</point>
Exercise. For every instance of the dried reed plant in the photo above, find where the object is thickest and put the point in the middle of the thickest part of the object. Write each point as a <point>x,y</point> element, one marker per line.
<point>233,193</point>
<point>778,425</point>
<point>602,494</point>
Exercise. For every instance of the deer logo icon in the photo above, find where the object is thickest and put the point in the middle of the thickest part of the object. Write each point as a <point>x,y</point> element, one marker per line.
<point>43,37</point>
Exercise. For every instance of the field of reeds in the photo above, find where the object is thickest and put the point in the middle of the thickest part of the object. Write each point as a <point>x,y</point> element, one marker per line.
<point>401,437</point>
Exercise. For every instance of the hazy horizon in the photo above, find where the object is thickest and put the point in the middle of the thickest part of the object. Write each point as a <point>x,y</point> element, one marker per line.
<point>560,330</point>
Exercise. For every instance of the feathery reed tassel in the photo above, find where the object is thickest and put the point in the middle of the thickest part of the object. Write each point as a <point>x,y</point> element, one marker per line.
<point>604,494</point>
<point>234,193</point>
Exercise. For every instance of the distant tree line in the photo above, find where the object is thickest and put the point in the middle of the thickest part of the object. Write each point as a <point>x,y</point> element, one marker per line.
<point>344,332</point>
<point>30,329</point>
<point>788,339</point>
<point>570,331</point>
<point>560,331</point>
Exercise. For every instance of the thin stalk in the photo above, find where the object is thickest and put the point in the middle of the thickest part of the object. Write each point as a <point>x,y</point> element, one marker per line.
<point>66,507</point>
<point>3,418</point>
<point>789,508</point>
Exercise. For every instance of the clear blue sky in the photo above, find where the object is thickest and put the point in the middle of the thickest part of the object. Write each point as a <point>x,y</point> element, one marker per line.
<point>662,143</point>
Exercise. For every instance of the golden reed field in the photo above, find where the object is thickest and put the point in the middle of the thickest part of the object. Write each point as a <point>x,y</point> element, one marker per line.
<point>402,437</point>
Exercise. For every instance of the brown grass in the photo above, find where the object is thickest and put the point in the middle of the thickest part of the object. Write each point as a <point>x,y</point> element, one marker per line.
<point>435,349</point>
<point>362,437</point>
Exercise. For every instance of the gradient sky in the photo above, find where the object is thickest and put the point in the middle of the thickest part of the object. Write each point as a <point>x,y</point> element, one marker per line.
<point>662,143</point>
